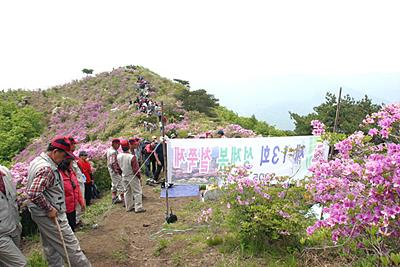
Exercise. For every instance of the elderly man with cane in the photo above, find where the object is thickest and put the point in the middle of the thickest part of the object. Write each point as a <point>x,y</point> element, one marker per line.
<point>45,190</point>
<point>10,227</point>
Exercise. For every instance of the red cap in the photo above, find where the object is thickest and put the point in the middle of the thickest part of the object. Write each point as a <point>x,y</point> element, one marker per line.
<point>62,143</point>
<point>124,143</point>
<point>115,140</point>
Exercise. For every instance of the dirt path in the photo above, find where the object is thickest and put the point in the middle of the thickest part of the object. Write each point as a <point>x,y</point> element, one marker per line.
<point>123,238</point>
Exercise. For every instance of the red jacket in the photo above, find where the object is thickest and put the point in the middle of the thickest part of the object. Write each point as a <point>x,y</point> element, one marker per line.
<point>73,194</point>
<point>86,169</point>
<point>149,148</point>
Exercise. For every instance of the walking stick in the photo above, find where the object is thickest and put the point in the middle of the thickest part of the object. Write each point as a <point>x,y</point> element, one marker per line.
<point>169,217</point>
<point>62,240</point>
<point>165,156</point>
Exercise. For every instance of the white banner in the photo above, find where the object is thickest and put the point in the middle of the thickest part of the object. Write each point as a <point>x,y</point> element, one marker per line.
<point>196,161</point>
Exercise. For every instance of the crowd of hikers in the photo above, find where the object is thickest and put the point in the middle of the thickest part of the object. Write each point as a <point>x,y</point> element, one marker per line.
<point>61,185</point>
<point>143,102</point>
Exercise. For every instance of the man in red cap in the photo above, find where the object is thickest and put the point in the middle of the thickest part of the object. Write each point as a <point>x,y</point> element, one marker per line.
<point>47,205</point>
<point>10,227</point>
<point>115,172</point>
<point>131,178</point>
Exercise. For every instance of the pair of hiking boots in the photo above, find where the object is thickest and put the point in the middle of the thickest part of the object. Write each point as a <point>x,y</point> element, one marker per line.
<point>141,210</point>
<point>152,182</point>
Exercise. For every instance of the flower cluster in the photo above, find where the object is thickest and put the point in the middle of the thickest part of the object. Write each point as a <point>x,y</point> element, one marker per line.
<point>264,206</point>
<point>360,188</point>
<point>19,173</point>
<point>235,130</point>
<point>186,125</point>
<point>239,179</point>
<point>205,215</point>
<point>96,150</point>
<point>78,121</point>
<point>318,127</point>
<point>384,122</point>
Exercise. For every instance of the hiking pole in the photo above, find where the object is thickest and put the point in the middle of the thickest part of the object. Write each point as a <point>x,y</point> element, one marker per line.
<point>170,218</point>
<point>63,242</point>
<point>165,157</point>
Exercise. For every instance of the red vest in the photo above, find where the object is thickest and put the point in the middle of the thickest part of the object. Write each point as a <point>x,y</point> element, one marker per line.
<point>73,194</point>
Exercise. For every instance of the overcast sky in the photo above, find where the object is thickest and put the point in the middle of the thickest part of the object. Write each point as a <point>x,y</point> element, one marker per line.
<point>257,57</point>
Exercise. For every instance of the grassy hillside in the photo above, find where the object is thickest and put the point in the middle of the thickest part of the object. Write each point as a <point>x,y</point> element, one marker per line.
<point>99,107</point>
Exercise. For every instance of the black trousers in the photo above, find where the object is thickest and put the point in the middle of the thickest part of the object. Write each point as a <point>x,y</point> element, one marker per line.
<point>88,193</point>
<point>151,167</point>
<point>71,216</point>
<point>158,171</point>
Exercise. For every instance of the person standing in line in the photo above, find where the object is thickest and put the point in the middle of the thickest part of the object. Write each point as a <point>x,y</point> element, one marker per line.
<point>80,176</point>
<point>131,179</point>
<point>115,172</point>
<point>221,134</point>
<point>134,144</point>
<point>86,169</point>
<point>10,227</point>
<point>159,155</point>
<point>45,190</point>
<point>73,194</point>
<point>151,159</point>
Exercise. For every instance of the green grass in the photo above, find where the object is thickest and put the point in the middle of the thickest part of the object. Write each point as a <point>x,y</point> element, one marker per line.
<point>157,190</point>
<point>177,259</point>
<point>36,259</point>
<point>35,238</point>
<point>162,244</point>
<point>119,256</point>
<point>95,213</point>
<point>214,241</point>
<point>216,236</point>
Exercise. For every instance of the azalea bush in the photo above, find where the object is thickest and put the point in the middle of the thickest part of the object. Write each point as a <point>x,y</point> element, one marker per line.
<point>359,189</point>
<point>267,210</point>
<point>96,151</point>
<point>235,130</point>
<point>19,174</point>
